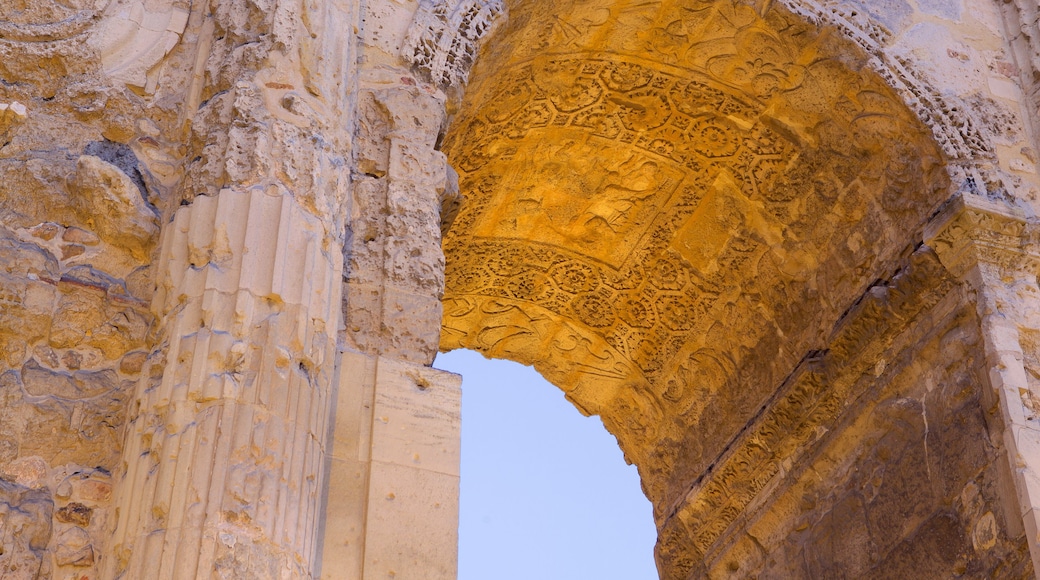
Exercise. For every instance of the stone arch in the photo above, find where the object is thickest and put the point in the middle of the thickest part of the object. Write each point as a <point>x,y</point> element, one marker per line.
<point>782,370</point>
<point>443,41</point>
<point>695,219</point>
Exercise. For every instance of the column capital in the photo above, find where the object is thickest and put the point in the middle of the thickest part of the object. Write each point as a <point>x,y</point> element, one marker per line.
<point>971,230</point>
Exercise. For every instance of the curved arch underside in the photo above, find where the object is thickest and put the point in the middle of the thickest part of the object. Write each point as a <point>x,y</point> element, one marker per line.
<point>668,206</point>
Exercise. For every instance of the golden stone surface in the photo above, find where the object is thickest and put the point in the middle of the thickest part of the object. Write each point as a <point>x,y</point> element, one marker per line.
<point>668,205</point>
<point>786,248</point>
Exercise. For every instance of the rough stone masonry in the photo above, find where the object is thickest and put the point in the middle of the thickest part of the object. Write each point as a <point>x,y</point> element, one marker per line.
<point>787,250</point>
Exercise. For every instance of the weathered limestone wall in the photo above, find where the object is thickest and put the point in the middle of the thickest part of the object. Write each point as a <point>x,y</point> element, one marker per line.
<point>221,276</point>
<point>74,325</point>
<point>928,463</point>
<point>1022,29</point>
<point>86,165</point>
<point>912,478</point>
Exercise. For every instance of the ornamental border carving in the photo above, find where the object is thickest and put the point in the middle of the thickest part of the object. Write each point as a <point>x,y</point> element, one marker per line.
<point>955,130</point>
<point>445,35</point>
<point>815,395</point>
<point>971,229</point>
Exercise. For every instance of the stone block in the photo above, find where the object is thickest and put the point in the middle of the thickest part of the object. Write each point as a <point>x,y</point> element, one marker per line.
<point>416,418</point>
<point>412,524</point>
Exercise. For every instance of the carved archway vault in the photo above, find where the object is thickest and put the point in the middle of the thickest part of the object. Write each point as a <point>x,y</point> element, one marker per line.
<point>669,206</point>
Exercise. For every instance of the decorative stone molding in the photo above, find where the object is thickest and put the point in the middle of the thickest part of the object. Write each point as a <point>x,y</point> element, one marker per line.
<point>996,249</point>
<point>677,211</point>
<point>954,128</point>
<point>133,36</point>
<point>971,230</point>
<point>445,35</point>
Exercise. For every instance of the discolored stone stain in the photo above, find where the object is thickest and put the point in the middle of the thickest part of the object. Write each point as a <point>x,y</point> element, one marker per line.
<point>74,513</point>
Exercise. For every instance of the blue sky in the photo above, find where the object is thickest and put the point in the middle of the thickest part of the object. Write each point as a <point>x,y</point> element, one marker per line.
<point>546,494</point>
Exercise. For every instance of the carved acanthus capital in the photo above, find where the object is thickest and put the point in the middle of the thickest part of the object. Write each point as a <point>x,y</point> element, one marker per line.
<point>972,230</point>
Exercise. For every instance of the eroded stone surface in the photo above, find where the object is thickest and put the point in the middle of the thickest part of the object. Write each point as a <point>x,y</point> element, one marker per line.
<point>706,254</point>
<point>662,234</point>
<point>785,249</point>
<point>78,222</point>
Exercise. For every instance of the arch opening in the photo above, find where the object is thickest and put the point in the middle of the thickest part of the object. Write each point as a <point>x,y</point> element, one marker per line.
<point>545,491</point>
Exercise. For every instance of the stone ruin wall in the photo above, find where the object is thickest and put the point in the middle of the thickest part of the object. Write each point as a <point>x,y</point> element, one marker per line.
<point>185,185</point>
<point>146,146</point>
<point>80,225</point>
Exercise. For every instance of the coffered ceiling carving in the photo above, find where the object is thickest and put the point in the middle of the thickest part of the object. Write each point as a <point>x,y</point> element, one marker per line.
<point>668,205</point>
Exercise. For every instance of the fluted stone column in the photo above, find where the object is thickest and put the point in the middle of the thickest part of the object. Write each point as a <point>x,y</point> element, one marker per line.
<point>229,429</point>
<point>224,462</point>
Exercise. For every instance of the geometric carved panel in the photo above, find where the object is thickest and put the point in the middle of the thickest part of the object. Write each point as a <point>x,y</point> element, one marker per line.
<point>669,205</point>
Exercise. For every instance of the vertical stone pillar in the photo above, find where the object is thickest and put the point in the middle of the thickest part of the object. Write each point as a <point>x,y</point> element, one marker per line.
<point>996,250</point>
<point>394,262</point>
<point>224,462</point>
<point>229,429</point>
<point>393,493</point>
<point>394,479</point>
<point>1023,36</point>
